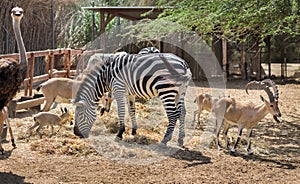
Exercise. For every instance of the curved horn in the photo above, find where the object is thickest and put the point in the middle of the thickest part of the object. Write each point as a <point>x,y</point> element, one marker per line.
<point>260,85</point>
<point>272,84</point>
<point>269,92</point>
<point>252,84</point>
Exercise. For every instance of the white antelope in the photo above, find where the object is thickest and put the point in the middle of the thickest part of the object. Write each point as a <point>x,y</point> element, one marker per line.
<point>4,118</point>
<point>47,118</point>
<point>245,114</point>
<point>61,90</point>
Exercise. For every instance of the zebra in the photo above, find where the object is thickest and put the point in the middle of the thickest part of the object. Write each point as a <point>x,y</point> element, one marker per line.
<point>148,50</point>
<point>134,75</point>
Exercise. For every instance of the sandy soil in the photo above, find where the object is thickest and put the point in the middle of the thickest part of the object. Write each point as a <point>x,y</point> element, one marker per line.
<point>64,158</point>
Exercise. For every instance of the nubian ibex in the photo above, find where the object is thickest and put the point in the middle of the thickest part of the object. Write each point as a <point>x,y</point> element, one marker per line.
<point>245,114</point>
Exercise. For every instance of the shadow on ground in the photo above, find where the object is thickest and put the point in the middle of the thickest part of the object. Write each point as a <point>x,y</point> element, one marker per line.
<point>11,178</point>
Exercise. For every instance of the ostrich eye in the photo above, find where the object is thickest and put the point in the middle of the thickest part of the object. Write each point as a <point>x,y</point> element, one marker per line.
<point>271,105</point>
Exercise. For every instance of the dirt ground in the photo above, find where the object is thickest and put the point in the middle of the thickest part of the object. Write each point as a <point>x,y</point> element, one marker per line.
<point>64,158</point>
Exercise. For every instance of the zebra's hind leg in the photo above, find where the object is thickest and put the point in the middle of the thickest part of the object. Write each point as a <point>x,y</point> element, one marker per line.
<point>182,113</point>
<point>172,117</point>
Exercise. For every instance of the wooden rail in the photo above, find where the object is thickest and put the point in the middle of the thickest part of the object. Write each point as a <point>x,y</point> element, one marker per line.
<point>50,72</point>
<point>28,100</point>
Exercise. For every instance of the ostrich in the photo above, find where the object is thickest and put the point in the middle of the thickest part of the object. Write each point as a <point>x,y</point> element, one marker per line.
<point>13,73</point>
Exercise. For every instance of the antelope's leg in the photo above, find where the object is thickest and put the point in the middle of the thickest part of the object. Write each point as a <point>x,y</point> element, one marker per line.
<point>240,131</point>
<point>225,131</point>
<point>49,102</point>
<point>38,131</point>
<point>1,131</point>
<point>249,134</point>
<point>219,123</point>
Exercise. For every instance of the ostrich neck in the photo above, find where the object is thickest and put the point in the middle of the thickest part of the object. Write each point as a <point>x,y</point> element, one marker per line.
<point>22,51</point>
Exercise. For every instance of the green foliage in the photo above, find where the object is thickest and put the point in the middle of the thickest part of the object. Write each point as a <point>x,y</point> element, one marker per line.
<point>236,19</point>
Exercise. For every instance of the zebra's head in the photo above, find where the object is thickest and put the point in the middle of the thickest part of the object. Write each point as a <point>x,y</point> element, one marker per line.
<point>92,86</point>
<point>85,116</point>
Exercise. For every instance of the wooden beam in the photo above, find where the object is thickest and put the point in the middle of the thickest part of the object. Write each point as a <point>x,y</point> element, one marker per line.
<point>243,61</point>
<point>31,72</point>
<point>257,61</point>
<point>268,43</point>
<point>30,103</point>
<point>224,58</point>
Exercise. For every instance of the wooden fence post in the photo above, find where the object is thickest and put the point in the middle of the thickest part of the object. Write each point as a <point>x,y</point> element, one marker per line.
<point>69,56</point>
<point>31,72</point>
<point>51,63</point>
<point>224,58</point>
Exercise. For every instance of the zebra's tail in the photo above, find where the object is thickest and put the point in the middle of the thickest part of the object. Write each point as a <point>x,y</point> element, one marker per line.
<point>181,79</point>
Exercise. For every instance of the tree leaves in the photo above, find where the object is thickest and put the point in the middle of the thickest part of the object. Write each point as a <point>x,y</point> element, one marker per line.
<point>236,18</point>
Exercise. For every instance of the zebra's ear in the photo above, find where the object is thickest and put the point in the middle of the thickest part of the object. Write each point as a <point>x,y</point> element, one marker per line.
<point>72,100</point>
<point>77,103</point>
<point>80,103</point>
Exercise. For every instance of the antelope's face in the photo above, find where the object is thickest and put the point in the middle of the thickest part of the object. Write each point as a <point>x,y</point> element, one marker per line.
<point>17,13</point>
<point>273,108</point>
<point>66,115</point>
<point>106,101</point>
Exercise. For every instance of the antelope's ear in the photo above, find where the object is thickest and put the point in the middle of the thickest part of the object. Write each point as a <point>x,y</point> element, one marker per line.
<point>262,98</point>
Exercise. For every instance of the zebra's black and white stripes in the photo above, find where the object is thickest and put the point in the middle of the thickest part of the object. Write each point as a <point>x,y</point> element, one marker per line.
<point>129,75</point>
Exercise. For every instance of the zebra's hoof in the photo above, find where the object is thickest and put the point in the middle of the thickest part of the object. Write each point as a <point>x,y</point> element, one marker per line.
<point>232,151</point>
<point>162,144</point>
<point>133,132</point>
<point>250,152</point>
<point>180,143</point>
<point>117,138</point>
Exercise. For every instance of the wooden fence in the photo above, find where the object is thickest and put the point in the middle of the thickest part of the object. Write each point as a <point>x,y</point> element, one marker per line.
<point>50,72</point>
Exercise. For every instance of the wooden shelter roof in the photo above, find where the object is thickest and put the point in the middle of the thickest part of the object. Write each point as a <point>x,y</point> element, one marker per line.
<point>129,12</point>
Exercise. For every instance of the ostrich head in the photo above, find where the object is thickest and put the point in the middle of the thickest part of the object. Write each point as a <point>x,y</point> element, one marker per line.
<point>17,13</point>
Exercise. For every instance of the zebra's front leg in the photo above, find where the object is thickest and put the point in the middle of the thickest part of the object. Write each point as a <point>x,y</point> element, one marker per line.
<point>120,98</point>
<point>131,111</point>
